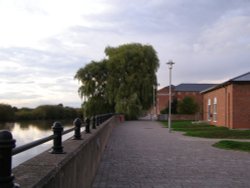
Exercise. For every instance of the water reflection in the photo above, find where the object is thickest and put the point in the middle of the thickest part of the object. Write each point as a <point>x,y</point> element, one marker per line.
<point>7,126</point>
<point>28,131</point>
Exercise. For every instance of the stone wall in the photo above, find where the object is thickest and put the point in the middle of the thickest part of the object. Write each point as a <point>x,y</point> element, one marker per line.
<point>76,168</point>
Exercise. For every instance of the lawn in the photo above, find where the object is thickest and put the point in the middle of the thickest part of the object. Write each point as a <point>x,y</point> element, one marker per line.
<point>233,145</point>
<point>207,131</point>
<point>204,130</point>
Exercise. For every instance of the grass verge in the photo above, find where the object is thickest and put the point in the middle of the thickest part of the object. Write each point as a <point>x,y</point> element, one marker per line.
<point>207,131</point>
<point>233,145</point>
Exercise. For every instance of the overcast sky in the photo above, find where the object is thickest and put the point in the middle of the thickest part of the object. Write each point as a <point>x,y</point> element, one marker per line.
<point>44,42</point>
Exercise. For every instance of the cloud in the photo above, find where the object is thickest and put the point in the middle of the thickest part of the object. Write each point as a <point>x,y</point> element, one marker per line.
<point>29,76</point>
<point>42,44</point>
<point>216,51</point>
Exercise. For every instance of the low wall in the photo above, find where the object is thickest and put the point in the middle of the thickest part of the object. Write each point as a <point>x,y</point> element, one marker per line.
<point>76,168</point>
<point>183,117</point>
<point>195,117</point>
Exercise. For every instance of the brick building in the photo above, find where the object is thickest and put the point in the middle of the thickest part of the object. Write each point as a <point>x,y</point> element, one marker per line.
<point>180,92</point>
<point>162,98</point>
<point>228,104</point>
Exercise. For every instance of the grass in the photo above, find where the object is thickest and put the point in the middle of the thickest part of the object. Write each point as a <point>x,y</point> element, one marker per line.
<point>208,131</point>
<point>233,145</point>
<point>204,130</point>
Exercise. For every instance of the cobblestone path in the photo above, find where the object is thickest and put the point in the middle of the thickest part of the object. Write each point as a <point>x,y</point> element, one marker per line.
<point>143,154</point>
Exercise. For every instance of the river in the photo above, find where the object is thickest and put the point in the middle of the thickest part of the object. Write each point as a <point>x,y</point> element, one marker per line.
<point>28,131</point>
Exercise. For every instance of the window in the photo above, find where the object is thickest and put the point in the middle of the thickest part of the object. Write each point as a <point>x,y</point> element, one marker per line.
<point>209,110</point>
<point>215,110</point>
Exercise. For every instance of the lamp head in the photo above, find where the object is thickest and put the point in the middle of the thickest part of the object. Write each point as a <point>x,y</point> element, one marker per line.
<point>170,63</point>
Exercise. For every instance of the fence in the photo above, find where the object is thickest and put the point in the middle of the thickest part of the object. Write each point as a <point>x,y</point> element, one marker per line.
<point>7,144</point>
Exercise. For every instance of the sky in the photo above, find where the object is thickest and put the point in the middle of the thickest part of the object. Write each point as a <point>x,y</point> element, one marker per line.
<point>44,42</point>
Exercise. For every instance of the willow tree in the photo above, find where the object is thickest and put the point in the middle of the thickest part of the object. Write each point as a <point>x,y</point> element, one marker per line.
<point>123,81</point>
<point>93,78</point>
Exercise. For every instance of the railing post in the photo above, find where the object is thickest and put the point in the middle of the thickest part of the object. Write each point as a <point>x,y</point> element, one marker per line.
<point>87,129</point>
<point>101,119</point>
<point>7,143</point>
<point>57,141</point>
<point>97,120</point>
<point>93,122</point>
<point>77,122</point>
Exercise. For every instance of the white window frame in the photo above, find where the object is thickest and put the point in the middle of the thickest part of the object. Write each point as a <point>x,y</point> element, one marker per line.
<point>215,110</point>
<point>209,109</point>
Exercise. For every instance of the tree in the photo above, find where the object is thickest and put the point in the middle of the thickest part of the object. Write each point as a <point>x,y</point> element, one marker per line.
<point>94,87</point>
<point>174,106</point>
<point>123,81</point>
<point>6,112</point>
<point>188,106</point>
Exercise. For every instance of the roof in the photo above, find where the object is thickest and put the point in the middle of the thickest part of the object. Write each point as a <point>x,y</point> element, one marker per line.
<point>193,87</point>
<point>242,78</point>
<point>165,88</point>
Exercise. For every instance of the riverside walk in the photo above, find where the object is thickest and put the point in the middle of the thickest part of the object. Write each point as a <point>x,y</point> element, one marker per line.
<point>143,154</point>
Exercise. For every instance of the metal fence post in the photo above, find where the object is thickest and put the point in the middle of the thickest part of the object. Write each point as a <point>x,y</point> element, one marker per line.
<point>93,122</point>
<point>7,143</point>
<point>97,120</point>
<point>77,122</point>
<point>57,141</point>
<point>87,129</point>
<point>101,119</point>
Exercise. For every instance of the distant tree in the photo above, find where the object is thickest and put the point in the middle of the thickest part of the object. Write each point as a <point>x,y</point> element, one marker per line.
<point>188,106</point>
<point>122,82</point>
<point>25,114</point>
<point>174,106</point>
<point>7,113</point>
<point>43,112</point>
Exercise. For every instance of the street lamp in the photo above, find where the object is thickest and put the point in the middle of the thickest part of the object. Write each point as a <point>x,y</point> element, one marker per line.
<point>154,100</point>
<point>153,103</point>
<point>170,64</point>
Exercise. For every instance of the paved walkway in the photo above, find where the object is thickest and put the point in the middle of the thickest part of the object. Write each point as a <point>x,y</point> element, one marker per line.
<point>143,154</point>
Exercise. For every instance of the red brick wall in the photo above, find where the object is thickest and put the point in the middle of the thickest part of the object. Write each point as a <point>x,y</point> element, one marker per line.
<point>233,106</point>
<point>162,99</point>
<point>241,105</point>
<point>219,94</point>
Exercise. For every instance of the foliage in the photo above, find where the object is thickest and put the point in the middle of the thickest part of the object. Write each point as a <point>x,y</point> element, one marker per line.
<point>174,106</point>
<point>122,82</point>
<point>94,80</point>
<point>54,112</point>
<point>24,114</point>
<point>188,106</point>
<point>43,112</point>
<point>6,112</point>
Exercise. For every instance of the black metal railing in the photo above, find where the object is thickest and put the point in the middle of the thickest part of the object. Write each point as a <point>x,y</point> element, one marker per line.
<point>7,144</point>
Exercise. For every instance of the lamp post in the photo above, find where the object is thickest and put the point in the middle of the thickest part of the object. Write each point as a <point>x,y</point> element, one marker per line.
<point>170,64</point>
<point>153,102</point>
